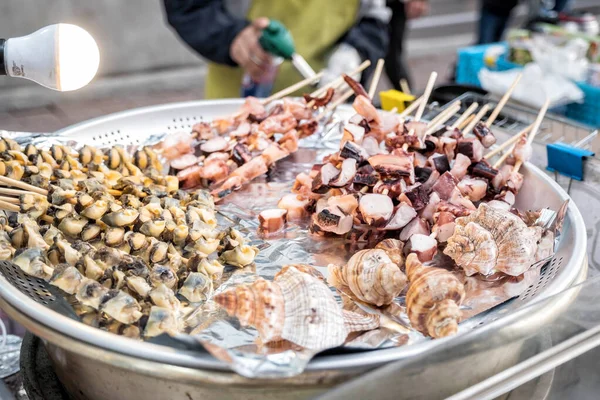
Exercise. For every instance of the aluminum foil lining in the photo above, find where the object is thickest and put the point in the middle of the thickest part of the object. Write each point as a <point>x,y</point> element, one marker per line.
<point>239,346</point>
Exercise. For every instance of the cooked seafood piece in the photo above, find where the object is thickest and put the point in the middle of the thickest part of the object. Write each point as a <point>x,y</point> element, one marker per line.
<point>241,256</point>
<point>139,285</point>
<point>522,151</point>
<point>271,221</point>
<point>32,261</point>
<point>90,293</point>
<point>96,210</point>
<point>376,209</point>
<point>440,162</point>
<point>204,245</point>
<point>295,205</point>
<point>402,216</point>
<point>369,275</point>
<point>332,219</point>
<point>91,269</point>
<point>6,249</point>
<point>444,225</point>
<point>470,147</point>
<point>460,166</point>
<point>158,252</point>
<point>320,183</point>
<point>120,306</point>
<point>473,188</point>
<point>416,226</point>
<point>424,246</point>
<point>153,228</point>
<point>161,274</point>
<point>162,296</point>
<point>346,175</point>
<point>398,165</point>
<point>114,236</point>
<point>66,278</point>
<point>161,320</point>
<point>137,241</point>
<point>490,240</point>
<point>445,185</point>
<point>433,299</point>
<point>197,287</point>
<point>484,134</point>
<point>121,218</point>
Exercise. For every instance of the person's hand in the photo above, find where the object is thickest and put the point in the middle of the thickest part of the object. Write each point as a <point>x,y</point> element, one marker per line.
<point>247,52</point>
<point>416,8</point>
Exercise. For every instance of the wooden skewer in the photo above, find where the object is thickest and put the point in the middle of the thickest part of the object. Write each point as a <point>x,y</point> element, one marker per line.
<point>508,142</point>
<point>434,121</point>
<point>466,122</point>
<point>450,112</point>
<point>12,200</point>
<point>475,120</point>
<point>9,207</point>
<point>339,81</point>
<point>336,103</point>
<point>426,95</point>
<point>501,160</point>
<point>503,101</point>
<point>291,89</point>
<point>534,131</point>
<point>405,145</point>
<point>404,86</point>
<point>15,192</point>
<point>408,110</point>
<point>22,185</point>
<point>465,115</point>
<point>376,77</point>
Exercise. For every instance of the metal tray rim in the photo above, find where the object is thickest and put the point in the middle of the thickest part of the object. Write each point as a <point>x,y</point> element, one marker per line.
<point>110,342</point>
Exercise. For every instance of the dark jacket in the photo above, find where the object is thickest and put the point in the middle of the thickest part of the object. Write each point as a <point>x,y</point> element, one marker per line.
<point>209,28</point>
<point>500,7</point>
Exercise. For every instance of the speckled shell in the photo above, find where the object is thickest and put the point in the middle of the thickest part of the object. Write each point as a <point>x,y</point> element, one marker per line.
<point>491,240</point>
<point>296,307</point>
<point>369,275</point>
<point>433,299</point>
<point>393,248</point>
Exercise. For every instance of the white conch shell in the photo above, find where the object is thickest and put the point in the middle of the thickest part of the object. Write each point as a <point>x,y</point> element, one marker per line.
<point>370,275</point>
<point>296,307</point>
<point>491,240</point>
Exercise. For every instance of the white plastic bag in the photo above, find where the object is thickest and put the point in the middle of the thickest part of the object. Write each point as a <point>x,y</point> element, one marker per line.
<point>535,86</point>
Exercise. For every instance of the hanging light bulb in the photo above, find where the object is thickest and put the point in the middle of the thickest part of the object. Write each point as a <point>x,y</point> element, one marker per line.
<point>62,57</point>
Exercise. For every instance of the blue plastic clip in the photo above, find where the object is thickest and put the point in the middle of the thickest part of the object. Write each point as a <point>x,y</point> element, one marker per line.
<point>567,159</point>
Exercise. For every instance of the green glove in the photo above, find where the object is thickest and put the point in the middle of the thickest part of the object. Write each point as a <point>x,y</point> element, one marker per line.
<point>277,40</point>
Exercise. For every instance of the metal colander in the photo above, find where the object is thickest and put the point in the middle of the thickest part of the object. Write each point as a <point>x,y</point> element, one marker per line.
<point>33,302</point>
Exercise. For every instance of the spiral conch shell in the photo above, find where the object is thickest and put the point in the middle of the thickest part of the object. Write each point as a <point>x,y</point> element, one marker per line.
<point>370,275</point>
<point>433,299</point>
<point>296,307</point>
<point>491,240</point>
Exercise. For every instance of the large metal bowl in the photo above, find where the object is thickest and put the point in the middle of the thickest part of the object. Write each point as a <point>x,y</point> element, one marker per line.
<point>94,364</point>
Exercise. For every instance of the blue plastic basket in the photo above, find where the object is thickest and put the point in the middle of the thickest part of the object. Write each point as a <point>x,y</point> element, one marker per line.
<point>472,59</point>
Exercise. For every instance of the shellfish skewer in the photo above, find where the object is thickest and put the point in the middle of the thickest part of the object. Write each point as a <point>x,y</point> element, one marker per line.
<point>15,192</point>
<point>291,89</point>
<point>466,122</point>
<point>345,96</point>
<point>426,95</point>
<point>336,83</point>
<point>508,142</point>
<point>465,115</point>
<point>22,185</point>
<point>534,131</point>
<point>503,101</point>
<point>475,120</point>
<point>376,77</point>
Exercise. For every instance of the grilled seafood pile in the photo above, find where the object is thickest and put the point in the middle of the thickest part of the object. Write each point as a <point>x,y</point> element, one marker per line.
<point>135,253</point>
<point>228,152</point>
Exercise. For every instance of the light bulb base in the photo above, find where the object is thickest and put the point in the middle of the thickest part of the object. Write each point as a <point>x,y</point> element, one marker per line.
<point>2,64</point>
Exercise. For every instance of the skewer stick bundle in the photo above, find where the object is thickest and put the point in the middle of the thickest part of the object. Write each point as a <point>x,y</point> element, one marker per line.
<point>475,120</point>
<point>21,185</point>
<point>466,122</point>
<point>465,115</point>
<point>9,206</point>
<point>442,117</point>
<point>501,160</point>
<point>339,81</point>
